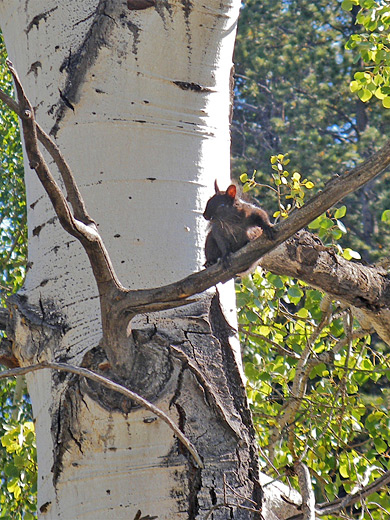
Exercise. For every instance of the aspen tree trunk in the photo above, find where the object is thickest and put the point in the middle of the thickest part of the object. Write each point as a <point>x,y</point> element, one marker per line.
<point>137,96</point>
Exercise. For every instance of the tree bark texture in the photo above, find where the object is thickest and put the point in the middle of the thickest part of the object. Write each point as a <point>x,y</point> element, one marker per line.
<point>365,288</point>
<point>137,97</point>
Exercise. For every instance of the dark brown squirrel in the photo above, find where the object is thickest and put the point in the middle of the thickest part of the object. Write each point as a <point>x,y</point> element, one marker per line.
<point>233,223</point>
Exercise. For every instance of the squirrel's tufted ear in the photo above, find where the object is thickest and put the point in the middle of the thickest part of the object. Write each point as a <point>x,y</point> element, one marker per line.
<point>217,190</point>
<point>231,191</point>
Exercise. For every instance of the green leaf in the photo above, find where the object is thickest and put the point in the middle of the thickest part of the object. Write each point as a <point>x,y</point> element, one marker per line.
<point>386,216</point>
<point>303,313</point>
<point>347,5</point>
<point>295,292</point>
<point>355,86</point>
<point>348,254</point>
<point>379,93</point>
<point>380,445</point>
<point>344,470</point>
<point>365,95</point>
<point>340,212</point>
<point>275,280</point>
<point>252,372</point>
<point>316,223</point>
<point>11,470</point>
<point>319,370</point>
<point>386,102</point>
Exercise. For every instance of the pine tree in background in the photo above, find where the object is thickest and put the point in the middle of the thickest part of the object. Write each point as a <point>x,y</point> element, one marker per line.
<point>292,95</point>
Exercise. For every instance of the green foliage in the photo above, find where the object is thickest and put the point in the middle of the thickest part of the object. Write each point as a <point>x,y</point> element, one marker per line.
<point>317,389</point>
<point>13,236</point>
<point>293,75</point>
<point>341,434</point>
<point>292,94</point>
<point>17,456</point>
<point>289,188</point>
<point>20,472</point>
<point>372,46</point>
<point>330,229</point>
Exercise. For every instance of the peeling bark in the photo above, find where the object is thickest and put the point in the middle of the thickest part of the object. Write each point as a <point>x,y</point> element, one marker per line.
<point>365,288</point>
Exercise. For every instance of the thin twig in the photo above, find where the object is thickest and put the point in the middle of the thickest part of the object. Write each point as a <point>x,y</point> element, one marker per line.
<point>279,348</point>
<point>84,372</point>
<point>302,372</point>
<point>73,193</point>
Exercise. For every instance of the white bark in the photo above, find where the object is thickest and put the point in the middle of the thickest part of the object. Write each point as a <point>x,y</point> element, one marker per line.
<point>146,139</point>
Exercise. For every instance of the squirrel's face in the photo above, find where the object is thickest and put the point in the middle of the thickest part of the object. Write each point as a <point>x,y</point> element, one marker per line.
<point>217,207</point>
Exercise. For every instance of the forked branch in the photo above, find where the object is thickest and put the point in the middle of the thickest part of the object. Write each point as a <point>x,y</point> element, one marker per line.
<point>130,302</point>
<point>85,229</point>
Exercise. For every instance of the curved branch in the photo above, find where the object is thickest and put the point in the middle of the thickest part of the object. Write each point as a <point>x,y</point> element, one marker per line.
<point>334,191</point>
<point>341,503</point>
<point>133,302</point>
<point>84,372</point>
<point>365,288</point>
<point>73,193</point>
<point>87,234</point>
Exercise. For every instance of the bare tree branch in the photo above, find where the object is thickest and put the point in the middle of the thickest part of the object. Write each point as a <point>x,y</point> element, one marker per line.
<point>365,288</point>
<point>305,486</point>
<point>133,302</point>
<point>84,372</point>
<point>341,503</point>
<point>72,190</point>
<point>335,190</point>
<point>331,508</point>
<point>86,233</point>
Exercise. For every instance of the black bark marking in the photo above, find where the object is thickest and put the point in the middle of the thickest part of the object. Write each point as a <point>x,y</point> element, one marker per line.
<point>38,229</point>
<point>35,21</point>
<point>186,85</point>
<point>147,517</point>
<point>45,507</point>
<point>138,5</point>
<point>213,496</point>
<point>34,68</point>
<point>195,486</point>
<point>66,100</point>
<point>135,31</point>
<point>80,61</point>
